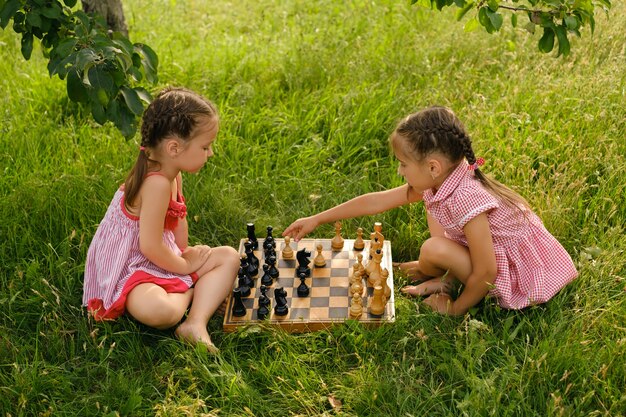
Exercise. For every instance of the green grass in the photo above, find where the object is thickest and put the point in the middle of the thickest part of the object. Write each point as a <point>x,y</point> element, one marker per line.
<point>308,93</point>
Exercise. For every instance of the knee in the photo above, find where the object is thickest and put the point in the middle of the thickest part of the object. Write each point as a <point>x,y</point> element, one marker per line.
<point>433,249</point>
<point>229,256</point>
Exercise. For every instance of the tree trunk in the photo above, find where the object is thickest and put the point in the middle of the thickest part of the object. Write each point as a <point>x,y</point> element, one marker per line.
<point>110,10</point>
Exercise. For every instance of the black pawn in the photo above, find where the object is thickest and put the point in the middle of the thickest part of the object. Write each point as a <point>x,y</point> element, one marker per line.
<point>264,304</point>
<point>303,289</point>
<point>269,240</point>
<point>252,236</point>
<point>266,279</point>
<point>273,271</point>
<point>239,309</point>
<point>281,308</point>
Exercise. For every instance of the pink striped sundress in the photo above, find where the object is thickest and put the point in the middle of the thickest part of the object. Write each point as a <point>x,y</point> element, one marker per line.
<point>532,265</point>
<point>115,265</point>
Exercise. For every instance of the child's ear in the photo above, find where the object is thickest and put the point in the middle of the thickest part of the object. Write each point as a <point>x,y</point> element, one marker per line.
<point>435,167</point>
<point>172,147</point>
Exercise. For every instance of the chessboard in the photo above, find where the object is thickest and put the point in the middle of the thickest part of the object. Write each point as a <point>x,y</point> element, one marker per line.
<point>328,302</point>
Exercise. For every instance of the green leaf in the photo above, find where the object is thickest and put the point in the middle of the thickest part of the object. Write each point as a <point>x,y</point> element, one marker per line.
<point>144,95</point>
<point>27,45</point>
<point>8,11</point>
<point>149,60</point>
<point>564,46</point>
<point>70,3</point>
<point>98,112</point>
<point>571,22</point>
<point>463,11</point>
<point>64,48</point>
<point>546,43</point>
<point>76,90</point>
<point>99,78</point>
<point>496,19</point>
<point>122,117</point>
<point>514,20</point>
<point>132,100</point>
<point>85,57</point>
<point>52,12</point>
<point>471,25</point>
<point>484,20</point>
<point>493,5</point>
<point>34,18</point>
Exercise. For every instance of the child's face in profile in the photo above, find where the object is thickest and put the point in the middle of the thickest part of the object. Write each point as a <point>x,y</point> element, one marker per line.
<point>199,148</point>
<point>415,173</point>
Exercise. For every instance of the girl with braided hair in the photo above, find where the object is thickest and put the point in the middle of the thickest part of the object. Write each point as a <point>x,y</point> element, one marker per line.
<point>139,260</point>
<point>483,234</point>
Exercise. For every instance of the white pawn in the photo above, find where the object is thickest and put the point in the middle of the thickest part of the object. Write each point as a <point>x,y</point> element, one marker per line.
<point>319,260</point>
<point>287,251</point>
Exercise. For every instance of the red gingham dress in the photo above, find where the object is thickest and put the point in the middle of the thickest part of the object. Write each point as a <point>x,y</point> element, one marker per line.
<point>532,264</point>
<point>115,265</point>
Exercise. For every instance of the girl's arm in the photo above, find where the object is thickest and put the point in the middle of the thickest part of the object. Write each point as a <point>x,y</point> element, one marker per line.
<point>363,205</point>
<point>484,266</point>
<point>155,196</point>
<point>181,232</point>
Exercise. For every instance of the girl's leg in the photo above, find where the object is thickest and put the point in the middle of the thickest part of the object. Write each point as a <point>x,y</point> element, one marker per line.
<point>412,268</point>
<point>440,256</point>
<point>217,276</point>
<point>154,307</point>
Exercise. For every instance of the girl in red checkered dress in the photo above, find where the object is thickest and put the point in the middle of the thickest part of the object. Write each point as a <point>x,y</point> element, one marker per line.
<point>139,261</point>
<point>483,234</point>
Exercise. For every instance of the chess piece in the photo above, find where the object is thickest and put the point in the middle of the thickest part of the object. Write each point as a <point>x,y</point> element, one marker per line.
<point>374,263</point>
<point>356,306</point>
<point>272,271</point>
<point>377,305</point>
<point>378,227</point>
<point>386,288</point>
<point>303,289</point>
<point>319,260</point>
<point>280,296</point>
<point>252,236</point>
<point>287,251</point>
<point>303,262</point>
<point>264,304</point>
<point>266,279</point>
<point>356,288</point>
<point>243,284</point>
<point>337,242</point>
<point>269,240</point>
<point>359,243</point>
<point>253,261</point>
<point>359,264</point>
<point>239,309</point>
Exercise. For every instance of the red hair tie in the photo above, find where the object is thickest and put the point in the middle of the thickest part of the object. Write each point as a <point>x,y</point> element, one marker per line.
<point>142,148</point>
<point>479,162</point>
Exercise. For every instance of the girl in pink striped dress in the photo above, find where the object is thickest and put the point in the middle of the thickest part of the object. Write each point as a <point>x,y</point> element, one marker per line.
<point>482,233</point>
<point>139,261</point>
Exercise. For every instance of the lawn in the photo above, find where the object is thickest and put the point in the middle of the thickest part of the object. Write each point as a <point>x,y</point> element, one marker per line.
<point>308,93</point>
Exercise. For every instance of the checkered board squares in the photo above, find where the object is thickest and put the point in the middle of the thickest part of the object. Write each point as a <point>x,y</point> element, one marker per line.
<point>328,302</point>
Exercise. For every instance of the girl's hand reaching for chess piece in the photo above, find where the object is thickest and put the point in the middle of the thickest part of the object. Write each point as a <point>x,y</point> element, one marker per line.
<point>301,227</point>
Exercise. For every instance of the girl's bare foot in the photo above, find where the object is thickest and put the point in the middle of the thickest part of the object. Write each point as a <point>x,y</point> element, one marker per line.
<point>195,334</point>
<point>432,286</point>
<point>411,269</point>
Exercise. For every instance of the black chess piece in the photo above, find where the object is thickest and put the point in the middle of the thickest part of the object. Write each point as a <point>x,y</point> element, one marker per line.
<point>269,240</point>
<point>244,278</point>
<point>281,308</point>
<point>264,304</point>
<point>303,289</point>
<point>244,287</point>
<point>252,236</point>
<point>249,250</point>
<point>239,309</point>
<point>273,271</point>
<point>303,256</point>
<point>266,279</point>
